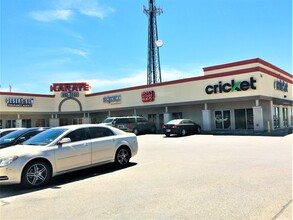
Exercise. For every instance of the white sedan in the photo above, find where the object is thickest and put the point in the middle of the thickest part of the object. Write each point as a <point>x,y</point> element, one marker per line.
<point>65,149</point>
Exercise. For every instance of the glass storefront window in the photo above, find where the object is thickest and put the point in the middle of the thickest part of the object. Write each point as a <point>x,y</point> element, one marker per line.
<point>276,117</point>
<point>152,118</point>
<point>222,119</point>
<point>40,123</point>
<point>291,109</point>
<point>10,123</point>
<point>77,121</point>
<point>249,116</point>
<point>244,118</point>
<point>285,117</point>
<point>26,123</point>
<point>176,115</point>
<point>218,119</point>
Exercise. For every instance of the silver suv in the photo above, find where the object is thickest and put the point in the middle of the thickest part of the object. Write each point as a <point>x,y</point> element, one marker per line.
<point>135,124</point>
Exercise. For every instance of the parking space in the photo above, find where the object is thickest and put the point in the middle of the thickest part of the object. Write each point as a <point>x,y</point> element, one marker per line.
<point>192,177</point>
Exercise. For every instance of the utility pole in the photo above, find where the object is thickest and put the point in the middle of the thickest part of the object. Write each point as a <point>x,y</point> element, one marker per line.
<point>153,64</point>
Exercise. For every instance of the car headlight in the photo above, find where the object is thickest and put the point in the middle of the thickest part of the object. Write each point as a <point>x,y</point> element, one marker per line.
<point>8,160</point>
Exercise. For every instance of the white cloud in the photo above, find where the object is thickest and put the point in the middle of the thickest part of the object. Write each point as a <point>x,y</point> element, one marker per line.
<point>86,7</point>
<point>101,82</point>
<point>64,9</point>
<point>51,15</point>
<point>138,78</point>
<point>77,52</point>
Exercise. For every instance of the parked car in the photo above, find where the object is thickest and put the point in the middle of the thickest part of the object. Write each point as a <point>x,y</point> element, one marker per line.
<point>5,131</point>
<point>19,136</point>
<point>181,127</point>
<point>109,121</point>
<point>64,149</point>
<point>135,124</point>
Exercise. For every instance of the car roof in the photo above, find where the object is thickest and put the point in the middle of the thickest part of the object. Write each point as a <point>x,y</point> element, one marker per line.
<point>10,129</point>
<point>19,132</point>
<point>79,126</point>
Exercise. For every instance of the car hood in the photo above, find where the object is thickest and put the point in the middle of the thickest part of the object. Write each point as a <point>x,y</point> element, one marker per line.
<point>19,150</point>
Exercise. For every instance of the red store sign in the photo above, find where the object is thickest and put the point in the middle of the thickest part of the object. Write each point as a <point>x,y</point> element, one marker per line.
<point>69,87</point>
<point>148,96</point>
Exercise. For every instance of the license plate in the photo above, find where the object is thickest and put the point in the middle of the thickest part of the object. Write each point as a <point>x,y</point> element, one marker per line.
<point>121,126</point>
<point>168,130</point>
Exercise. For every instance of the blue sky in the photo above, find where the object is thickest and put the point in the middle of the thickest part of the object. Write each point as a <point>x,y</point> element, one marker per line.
<point>104,42</point>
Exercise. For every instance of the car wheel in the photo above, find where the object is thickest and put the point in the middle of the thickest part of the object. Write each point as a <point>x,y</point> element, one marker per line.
<point>183,132</point>
<point>167,134</point>
<point>135,131</point>
<point>35,174</point>
<point>198,130</point>
<point>122,157</point>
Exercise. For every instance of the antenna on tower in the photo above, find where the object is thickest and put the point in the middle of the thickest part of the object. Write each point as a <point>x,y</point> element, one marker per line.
<point>153,65</point>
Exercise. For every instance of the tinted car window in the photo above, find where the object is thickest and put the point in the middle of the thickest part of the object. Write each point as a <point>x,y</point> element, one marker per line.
<point>141,120</point>
<point>122,121</point>
<point>45,137</point>
<point>28,135</point>
<point>131,120</point>
<point>11,136</point>
<point>78,135</point>
<point>100,132</point>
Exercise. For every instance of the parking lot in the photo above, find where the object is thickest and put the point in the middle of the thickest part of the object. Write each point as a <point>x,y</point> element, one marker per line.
<point>192,177</point>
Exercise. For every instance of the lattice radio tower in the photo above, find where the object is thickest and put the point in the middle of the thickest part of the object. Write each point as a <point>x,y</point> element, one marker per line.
<point>153,66</point>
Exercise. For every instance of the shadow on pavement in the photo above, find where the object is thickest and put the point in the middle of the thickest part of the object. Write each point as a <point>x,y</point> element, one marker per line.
<point>58,181</point>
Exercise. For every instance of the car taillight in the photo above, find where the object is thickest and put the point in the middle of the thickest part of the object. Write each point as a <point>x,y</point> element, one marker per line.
<point>127,126</point>
<point>174,126</point>
<point>163,126</point>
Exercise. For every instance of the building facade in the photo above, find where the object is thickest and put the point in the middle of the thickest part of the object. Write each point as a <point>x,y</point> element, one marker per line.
<point>246,95</point>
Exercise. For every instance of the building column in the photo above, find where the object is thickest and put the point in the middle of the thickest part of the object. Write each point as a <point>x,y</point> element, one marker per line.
<point>167,115</point>
<point>86,118</point>
<point>272,115</point>
<point>54,121</point>
<point>18,122</point>
<point>206,120</point>
<point>258,118</point>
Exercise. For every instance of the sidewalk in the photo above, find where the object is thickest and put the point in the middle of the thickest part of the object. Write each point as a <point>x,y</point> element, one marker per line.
<point>278,133</point>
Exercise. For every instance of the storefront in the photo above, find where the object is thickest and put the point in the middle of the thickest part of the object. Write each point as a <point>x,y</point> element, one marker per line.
<point>245,95</point>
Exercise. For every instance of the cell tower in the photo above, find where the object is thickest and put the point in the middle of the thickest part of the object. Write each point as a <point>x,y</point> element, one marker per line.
<point>153,66</point>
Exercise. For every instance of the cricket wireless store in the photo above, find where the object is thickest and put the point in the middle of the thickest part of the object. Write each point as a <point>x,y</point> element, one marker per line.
<point>246,95</point>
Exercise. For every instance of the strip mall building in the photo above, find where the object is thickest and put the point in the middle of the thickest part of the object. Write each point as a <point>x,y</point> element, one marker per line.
<point>246,95</point>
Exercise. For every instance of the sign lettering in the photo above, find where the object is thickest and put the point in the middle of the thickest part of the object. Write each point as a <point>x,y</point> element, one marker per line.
<point>19,102</point>
<point>231,87</point>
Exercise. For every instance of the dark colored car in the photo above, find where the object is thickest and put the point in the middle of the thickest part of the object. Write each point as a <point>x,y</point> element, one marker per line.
<point>135,124</point>
<point>181,127</point>
<point>6,131</point>
<point>19,136</point>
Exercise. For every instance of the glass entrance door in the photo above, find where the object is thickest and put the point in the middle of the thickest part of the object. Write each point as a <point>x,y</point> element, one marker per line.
<point>222,119</point>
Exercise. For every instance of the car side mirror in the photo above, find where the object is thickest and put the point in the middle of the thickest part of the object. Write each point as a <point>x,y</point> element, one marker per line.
<point>64,141</point>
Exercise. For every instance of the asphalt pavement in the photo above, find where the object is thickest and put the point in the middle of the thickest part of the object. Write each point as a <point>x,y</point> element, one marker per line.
<point>193,177</point>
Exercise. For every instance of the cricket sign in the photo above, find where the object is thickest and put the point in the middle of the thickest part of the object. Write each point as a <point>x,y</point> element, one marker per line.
<point>233,86</point>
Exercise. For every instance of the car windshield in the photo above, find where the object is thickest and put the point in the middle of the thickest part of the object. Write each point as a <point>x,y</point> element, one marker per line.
<point>11,136</point>
<point>108,120</point>
<point>45,137</point>
<point>174,122</point>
